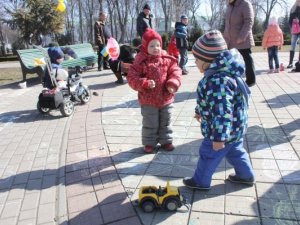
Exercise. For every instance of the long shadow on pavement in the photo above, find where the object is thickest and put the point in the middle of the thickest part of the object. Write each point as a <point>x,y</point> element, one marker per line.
<point>30,82</point>
<point>284,100</point>
<point>262,138</point>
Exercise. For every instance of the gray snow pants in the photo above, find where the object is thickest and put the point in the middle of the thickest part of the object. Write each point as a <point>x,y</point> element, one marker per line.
<point>156,125</point>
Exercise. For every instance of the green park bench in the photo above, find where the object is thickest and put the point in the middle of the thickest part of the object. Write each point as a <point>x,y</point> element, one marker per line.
<point>27,57</point>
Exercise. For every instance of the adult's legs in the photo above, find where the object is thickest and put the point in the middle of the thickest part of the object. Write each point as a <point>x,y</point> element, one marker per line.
<point>150,125</point>
<point>294,40</point>
<point>100,57</point>
<point>183,60</point>
<point>250,69</point>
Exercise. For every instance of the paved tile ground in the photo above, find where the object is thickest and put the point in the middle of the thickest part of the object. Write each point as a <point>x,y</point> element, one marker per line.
<point>87,169</point>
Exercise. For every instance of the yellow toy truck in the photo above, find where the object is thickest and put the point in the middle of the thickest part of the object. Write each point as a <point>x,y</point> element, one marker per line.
<point>168,198</point>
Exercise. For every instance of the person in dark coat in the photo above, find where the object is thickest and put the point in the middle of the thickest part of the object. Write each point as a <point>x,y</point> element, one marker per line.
<point>294,14</point>
<point>144,20</point>
<point>102,34</point>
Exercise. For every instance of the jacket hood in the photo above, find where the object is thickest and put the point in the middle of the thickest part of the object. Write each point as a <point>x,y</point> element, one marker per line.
<point>230,62</point>
<point>273,29</point>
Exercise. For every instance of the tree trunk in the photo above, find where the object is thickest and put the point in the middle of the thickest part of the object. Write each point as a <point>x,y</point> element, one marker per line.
<point>80,21</point>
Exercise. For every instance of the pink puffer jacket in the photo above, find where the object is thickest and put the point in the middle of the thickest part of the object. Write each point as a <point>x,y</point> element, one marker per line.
<point>163,70</point>
<point>272,37</point>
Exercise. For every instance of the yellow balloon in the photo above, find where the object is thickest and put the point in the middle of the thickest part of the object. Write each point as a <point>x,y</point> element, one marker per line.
<point>61,7</point>
<point>61,1</point>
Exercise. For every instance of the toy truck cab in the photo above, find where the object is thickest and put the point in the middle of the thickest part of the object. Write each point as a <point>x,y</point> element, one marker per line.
<point>151,197</point>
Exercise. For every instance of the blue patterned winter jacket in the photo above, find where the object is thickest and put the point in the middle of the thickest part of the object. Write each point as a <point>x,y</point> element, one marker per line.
<point>221,102</point>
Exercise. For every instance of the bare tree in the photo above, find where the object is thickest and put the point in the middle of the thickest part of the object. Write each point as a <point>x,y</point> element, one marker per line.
<point>101,5</point>
<point>80,21</point>
<point>193,7</point>
<point>216,19</point>
<point>166,6</point>
<point>267,6</point>
<point>111,9</point>
<point>181,7</point>
<point>122,11</point>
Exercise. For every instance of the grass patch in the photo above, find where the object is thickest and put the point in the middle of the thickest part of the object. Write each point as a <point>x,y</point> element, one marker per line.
<point>12,75</point>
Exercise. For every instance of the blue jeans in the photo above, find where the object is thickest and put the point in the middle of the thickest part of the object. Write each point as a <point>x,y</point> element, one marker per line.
<point>273,54</point>
<point>183,58</point>
<point>209,159</point>
<point>294,40</point>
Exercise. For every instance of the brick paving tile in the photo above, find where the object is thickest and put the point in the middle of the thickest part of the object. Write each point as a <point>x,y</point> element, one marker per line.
<point>117,210</point>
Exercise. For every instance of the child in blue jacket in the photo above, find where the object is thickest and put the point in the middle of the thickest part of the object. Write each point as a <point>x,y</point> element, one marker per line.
<point>56,56</point>
<point>222,109</point>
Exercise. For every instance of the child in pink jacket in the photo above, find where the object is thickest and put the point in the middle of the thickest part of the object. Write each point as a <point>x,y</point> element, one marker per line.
<point>272,41</point>
<point>156,76</point>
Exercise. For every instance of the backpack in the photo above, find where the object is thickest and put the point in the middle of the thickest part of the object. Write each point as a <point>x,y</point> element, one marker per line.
<point>295,26</point>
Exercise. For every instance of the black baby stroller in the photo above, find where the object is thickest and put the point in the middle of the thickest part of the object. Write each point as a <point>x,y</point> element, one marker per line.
<point>55,98</point>
<point>121,65</point>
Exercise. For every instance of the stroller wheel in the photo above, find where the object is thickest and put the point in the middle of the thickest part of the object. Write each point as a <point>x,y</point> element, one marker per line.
<point>66,108</point>
<point>42,109</point>
<point>85,97</point>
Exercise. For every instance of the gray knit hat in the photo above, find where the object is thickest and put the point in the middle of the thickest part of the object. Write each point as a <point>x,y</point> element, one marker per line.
<point>209,46</point>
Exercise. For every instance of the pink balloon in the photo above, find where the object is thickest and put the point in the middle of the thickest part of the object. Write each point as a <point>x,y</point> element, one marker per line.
<point>113,48</point>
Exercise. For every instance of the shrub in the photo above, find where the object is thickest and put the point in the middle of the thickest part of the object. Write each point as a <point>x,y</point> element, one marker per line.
<point>195,33</point>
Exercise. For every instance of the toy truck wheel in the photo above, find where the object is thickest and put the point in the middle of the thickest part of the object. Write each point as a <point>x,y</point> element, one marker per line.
<point>148,206</point>
<point>85,97</point>
<point>66,108</point>
<point>171,204</point>
<point>42,109</point>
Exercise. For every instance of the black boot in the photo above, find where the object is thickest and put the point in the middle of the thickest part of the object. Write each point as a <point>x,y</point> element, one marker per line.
<point>119,77</point>
<point>292,53</point>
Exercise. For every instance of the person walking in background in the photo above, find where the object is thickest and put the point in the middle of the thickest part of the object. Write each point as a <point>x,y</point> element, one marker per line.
<point>295,30</point>
<point>102,34</point>
<point>144,20</point>
<point>222,110</point>
<point>239,19</point>
<point>272,41</point>
<point>156,76</point>
<point>181,33</point>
